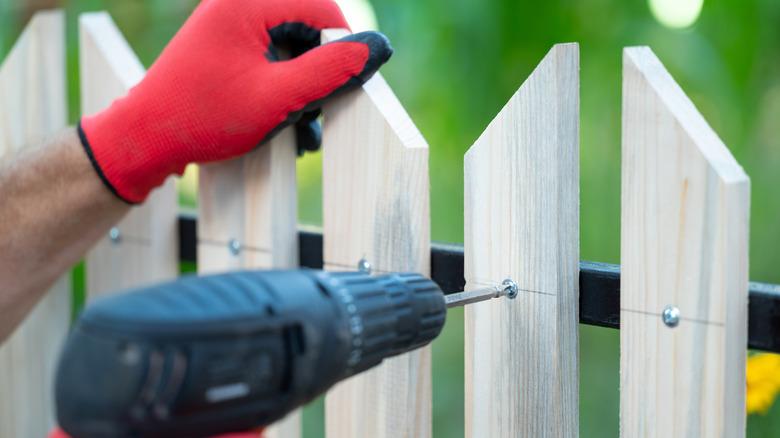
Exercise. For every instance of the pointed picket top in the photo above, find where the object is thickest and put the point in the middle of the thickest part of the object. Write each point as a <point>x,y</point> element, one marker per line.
<point>641,65</point>
<point>32,104</point>
<point>385,103</point>
<point>684,240</point>
<point>105,53</point>
<point>33,107</point>
<point>143,249</point>
<point>376,207</point>
<point>522,223</point>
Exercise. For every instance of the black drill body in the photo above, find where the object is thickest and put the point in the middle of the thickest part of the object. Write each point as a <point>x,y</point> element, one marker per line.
<point>208,355</point>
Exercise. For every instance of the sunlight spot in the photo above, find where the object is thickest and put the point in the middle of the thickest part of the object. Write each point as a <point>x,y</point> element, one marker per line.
<point>359,14</point>
<point>187,187</point>
<point>676,13</point>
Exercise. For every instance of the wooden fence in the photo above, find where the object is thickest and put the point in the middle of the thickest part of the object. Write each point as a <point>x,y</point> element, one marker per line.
<point>685,209</point>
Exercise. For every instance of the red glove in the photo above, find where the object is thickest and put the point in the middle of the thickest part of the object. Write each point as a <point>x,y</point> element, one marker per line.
<point>218,89</point>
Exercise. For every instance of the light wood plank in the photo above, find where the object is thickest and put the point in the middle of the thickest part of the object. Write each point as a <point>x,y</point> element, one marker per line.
<point>522,222</point>
<point>684,242</point>
<point>375,201</point>
<point>147,250</point>
<point>33,106</point>
<point>252,200</point>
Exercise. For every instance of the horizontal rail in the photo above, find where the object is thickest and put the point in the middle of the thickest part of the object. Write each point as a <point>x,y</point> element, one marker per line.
<point>599,284</point>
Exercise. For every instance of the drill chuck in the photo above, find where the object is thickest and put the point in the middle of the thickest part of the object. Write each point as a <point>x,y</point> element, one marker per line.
<point>207,355</point>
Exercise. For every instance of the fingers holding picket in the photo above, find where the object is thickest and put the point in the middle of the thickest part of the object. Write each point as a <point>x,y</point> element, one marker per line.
<point>329,69</point>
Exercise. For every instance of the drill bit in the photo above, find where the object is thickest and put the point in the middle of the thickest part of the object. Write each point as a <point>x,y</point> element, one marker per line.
<point>507,288</point>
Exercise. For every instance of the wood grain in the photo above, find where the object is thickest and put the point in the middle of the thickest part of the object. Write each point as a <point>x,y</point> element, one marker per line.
<point>252,200</point>
<point>376,206</point>
<point>684,242</point>
<point>33,106</point>
<point>147,250</point>
<point>522,222</point>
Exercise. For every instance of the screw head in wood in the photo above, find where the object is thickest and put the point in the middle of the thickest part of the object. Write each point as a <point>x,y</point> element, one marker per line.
<point>115,235</point>
<point>671,316</point>
<point>364,266</point>
<point>234,246</point>
<point>510,288</point>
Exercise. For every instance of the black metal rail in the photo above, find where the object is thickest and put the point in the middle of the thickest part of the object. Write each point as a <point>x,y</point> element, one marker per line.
<point>599,285</point>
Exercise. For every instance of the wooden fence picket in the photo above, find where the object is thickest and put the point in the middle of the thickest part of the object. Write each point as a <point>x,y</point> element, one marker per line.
<point>522,223</point>
<point>248,219</point>
<point>33,106</point>
<point>684,246</point>
<point>376,207</point>
<point>145,249</point>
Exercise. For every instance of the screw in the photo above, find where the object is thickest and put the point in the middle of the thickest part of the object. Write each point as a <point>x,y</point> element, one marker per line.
<point>509,288</point>
<point>671,316</point>
<point>234,246</point>
<point>115,235</point>
<point>364,266</point>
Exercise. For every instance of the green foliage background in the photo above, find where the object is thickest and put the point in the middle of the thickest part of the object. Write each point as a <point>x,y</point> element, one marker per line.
<point>458,61</point>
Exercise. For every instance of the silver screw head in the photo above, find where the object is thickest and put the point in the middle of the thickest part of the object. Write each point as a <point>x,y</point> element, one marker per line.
<point>671,316</point>
<point>510,288</point>
<point>115,235</point>
<point>364,266</point>
<point>234,246</point>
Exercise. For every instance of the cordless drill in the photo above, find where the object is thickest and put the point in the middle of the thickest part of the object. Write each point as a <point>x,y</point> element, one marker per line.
<point>206,355</point>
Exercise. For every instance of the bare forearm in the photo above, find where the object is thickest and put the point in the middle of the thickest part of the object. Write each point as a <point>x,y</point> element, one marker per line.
<point>54,208</point>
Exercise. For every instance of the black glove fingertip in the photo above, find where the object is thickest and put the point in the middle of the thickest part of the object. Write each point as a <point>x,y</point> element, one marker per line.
<point>308,133</point>
<point>379,51</point>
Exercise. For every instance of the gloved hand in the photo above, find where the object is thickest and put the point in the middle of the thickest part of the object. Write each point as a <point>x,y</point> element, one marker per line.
<point>219,89</point>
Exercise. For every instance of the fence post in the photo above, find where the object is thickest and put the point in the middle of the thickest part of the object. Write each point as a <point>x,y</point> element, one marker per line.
<point>143,246</point>
<point>684,247</point>
<point>375,202</point>
<point>32,106</point>
<point>522,223</point>
<point>248,219</point>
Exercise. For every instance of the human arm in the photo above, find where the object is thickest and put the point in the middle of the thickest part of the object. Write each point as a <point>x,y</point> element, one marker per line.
<point>54,209</point>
